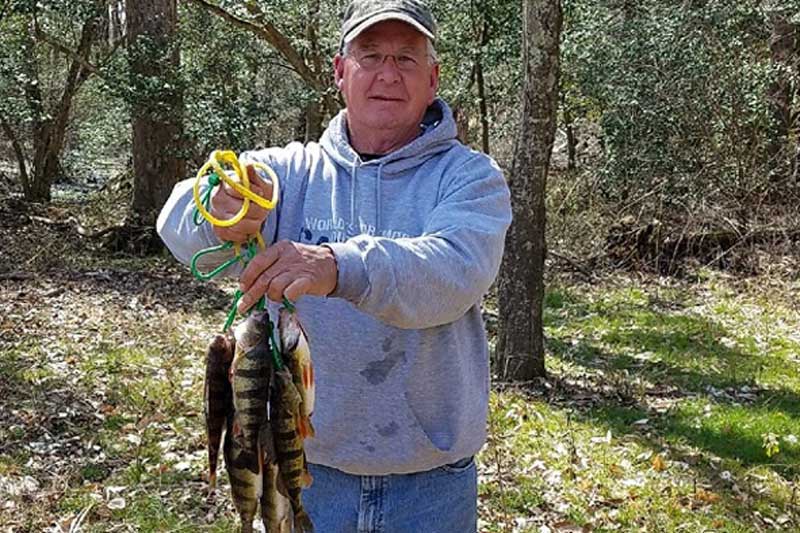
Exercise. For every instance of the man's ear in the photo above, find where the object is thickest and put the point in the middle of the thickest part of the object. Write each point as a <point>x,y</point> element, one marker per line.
<point>338,70</point>
<point>434,82</point>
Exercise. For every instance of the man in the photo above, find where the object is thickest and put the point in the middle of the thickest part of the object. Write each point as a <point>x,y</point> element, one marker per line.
<point>387,234</point>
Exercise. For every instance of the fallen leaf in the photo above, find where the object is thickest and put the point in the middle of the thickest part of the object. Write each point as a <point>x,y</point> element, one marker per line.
<point>659,465</point>
<point>706,496</point>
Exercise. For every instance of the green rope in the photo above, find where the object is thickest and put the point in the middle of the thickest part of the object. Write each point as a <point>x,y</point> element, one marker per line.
<point>289,305</point>
<point>213,181</point>
<point>207,276</point>
<point>276,356</point>
<point>250,251</point>
<point>232,312</point>
<point>245,256</point>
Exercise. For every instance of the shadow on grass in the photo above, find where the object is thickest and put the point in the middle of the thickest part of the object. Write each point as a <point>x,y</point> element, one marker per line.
<point>172,287</point>
<point>635,355</point>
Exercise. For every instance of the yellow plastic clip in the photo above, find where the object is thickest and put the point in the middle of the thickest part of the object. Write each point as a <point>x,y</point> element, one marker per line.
<point>240,183</point>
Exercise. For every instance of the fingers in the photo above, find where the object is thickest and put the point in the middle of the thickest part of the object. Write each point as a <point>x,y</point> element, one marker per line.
<point>288,269</point>
<point>257,185</point>
<point>278,287</point>
<point>296,289</point>
<point>269,283</point>
<point>226,204</point>
<point>258,265</point>
<point>232,200</point>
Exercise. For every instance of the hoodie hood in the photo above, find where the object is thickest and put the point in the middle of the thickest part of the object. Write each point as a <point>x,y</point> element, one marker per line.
<point>438,135</point>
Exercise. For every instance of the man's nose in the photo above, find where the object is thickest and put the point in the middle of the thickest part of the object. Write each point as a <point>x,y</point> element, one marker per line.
<point>389,71</point>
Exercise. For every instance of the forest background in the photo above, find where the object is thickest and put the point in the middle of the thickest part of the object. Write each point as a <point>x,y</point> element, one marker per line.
<point>671,313</point>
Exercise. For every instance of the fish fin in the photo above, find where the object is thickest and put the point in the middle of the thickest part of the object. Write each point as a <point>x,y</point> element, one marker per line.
<point>301,426</point>
<point>304,427</point>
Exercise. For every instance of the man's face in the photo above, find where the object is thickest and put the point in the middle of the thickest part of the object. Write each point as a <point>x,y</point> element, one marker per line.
<point>395,93</point>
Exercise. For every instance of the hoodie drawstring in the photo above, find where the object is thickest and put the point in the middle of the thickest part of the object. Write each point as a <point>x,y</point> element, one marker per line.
<point>351,228</point>
<point>378,201</point>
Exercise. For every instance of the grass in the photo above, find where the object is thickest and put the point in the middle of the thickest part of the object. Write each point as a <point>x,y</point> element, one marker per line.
<point>670,406</point>
<point>658,414</point>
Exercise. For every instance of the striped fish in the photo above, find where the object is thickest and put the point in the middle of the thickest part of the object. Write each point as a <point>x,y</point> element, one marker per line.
<point>217,400</point>
<point>244,472</point>
<point>250,372</point>
<point>297,355</point>
<point>285,402</point>
<point>276,509</point>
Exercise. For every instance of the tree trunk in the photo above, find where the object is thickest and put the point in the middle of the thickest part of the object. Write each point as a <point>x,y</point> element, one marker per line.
<point>571,140</point>
<point>157,111</point>
<point>49,130</point>
<point>796,117</point>
<point>781,45</point>
<point>520,346</point>
<point>20,155</point>
<point>116,21</point>
<point>313,116</point>
<point>482,105</point>
<point>461,118</point>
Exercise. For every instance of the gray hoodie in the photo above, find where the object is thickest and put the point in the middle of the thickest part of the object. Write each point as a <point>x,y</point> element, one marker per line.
<point>400,353</point>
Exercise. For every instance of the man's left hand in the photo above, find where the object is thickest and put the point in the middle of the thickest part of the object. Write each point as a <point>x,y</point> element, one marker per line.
<point>288,269</point>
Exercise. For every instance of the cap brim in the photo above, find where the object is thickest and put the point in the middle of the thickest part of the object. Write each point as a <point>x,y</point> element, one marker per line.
<point>357,30</point>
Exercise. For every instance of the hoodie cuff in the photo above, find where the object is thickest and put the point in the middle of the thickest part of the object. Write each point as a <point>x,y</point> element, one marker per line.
<point>352,281</point>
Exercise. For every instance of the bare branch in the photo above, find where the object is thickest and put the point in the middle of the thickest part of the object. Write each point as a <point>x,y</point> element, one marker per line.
<point>267,31</point>
<point>75,56</point>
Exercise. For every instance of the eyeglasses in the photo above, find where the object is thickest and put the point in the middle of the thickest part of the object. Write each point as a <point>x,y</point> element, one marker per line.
<point>405,62</point>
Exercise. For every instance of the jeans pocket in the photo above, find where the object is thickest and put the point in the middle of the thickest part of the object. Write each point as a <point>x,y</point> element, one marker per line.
<point>460,466</point>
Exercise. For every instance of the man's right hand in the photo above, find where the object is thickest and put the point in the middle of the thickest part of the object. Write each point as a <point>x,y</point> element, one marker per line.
<point>226,203</point>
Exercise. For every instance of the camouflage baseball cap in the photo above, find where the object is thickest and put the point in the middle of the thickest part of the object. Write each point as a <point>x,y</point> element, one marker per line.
<point>361,14</point>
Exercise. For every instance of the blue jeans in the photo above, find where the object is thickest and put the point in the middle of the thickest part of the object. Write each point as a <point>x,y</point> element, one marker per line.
<point>442,500</point>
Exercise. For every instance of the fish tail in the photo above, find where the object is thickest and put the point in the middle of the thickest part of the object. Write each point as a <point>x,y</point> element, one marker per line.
<point>302,522</point>
<point>214,442</point>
